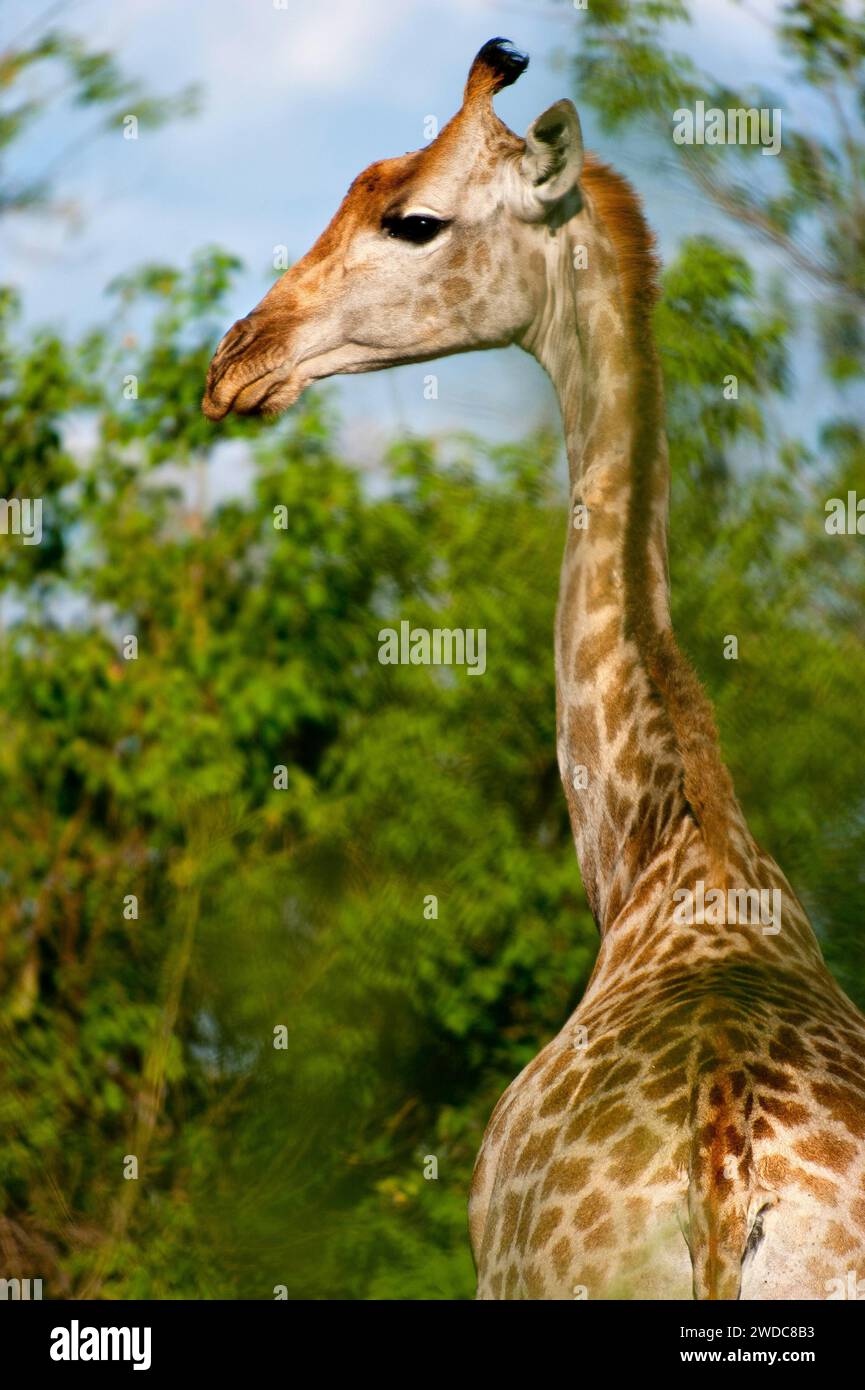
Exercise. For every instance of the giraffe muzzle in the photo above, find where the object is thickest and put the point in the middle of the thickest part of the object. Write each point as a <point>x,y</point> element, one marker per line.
<point>227,381</point>
<point>249,373</point>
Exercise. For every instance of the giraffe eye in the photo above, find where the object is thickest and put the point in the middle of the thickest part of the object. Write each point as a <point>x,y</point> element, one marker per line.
<point>418,230</point>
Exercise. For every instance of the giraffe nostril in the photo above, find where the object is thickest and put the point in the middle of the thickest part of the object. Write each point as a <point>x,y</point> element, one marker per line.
<point>234,341</point>
<point>230,351</point>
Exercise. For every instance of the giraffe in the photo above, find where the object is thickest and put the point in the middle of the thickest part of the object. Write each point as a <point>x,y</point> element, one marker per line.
<point>695,1131</point>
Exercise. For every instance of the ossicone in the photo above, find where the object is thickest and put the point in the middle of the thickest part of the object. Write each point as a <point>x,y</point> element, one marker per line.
<point>497,65</point>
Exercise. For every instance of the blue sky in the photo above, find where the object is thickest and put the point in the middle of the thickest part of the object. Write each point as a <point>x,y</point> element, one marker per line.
<point>296,102</point>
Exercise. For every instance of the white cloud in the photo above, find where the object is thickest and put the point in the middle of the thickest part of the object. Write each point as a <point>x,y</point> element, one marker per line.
<point>318,47</point>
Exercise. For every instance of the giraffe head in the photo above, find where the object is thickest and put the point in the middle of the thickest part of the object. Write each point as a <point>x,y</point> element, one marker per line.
<point>431,253</point>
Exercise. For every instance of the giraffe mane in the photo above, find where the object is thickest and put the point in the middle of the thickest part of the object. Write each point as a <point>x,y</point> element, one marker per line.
<point>708,786</point>
<point>621,212</point>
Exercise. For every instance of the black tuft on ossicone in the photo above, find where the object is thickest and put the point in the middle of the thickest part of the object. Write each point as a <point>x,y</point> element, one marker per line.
<point>504,62</point>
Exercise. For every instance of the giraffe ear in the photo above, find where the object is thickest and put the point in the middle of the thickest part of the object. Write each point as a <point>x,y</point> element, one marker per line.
<point>553,158</point>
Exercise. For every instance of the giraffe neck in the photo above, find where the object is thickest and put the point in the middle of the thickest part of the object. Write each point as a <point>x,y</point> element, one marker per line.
<point>637,743</point>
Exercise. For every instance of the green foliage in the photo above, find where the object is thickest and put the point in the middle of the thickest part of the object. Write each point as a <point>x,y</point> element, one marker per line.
<point>304,907</point>
<point>809,202</point>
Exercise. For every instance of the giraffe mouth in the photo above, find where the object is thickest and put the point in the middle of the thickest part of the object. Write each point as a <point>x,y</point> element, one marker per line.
<point>267,395</point>
<point>278,389</point>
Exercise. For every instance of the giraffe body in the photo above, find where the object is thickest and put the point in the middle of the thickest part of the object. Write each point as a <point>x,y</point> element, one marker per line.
<point>696,1130</point>
<point>698,1134</point>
